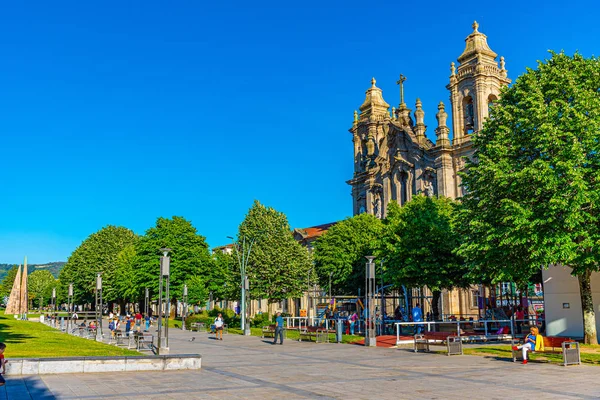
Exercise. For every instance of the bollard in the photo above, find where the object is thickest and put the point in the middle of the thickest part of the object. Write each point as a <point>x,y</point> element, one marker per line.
<point>339,330</point>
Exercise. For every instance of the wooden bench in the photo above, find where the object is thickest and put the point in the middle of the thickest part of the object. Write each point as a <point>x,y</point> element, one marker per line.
<point>268,331</point>
<point>554,345</point>
<point>451,341</point>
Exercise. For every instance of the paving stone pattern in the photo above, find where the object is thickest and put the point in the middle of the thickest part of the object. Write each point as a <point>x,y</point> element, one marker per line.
<point>252,368</point>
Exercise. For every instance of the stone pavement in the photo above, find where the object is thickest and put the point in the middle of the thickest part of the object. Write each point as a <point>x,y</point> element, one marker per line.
<point>252,368</point>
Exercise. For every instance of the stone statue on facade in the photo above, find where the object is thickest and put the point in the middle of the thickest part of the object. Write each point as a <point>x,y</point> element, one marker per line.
<point>377,207</point>
<point>428,191</point>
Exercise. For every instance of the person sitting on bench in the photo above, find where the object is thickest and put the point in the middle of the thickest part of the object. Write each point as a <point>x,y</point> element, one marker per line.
<point>530,342</point>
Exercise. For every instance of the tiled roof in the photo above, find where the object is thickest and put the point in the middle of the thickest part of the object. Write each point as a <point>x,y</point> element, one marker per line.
<point>314,231</point>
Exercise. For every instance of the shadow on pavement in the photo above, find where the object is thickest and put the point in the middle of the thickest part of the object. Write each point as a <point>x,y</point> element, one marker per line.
<point>25,387</point>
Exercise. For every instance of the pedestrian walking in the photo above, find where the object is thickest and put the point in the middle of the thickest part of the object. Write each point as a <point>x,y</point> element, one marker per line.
<point>519,316</point>
<point>147,320</point>
<point>3,363</point>
<point>278,329</point>
<point>138,321</point>
<point>219,327</point>
<point>352,321</point>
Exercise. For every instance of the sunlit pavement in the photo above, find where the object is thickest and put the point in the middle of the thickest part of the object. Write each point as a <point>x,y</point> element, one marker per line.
<point>253,368</point>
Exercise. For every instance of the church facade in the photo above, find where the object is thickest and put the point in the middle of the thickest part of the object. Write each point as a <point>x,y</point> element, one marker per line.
<point>393,158</point>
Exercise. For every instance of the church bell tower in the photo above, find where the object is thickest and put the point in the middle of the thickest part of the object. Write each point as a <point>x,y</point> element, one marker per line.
<point>474,85</point>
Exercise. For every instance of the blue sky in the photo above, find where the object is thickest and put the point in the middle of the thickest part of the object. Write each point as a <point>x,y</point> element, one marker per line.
<point>118,114</point>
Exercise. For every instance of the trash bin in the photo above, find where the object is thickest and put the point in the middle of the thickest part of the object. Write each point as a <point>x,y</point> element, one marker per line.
<point>339,329</point>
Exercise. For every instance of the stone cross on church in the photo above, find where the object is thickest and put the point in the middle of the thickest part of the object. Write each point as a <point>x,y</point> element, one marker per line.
<point>400,83</point>
<point>393,158</point>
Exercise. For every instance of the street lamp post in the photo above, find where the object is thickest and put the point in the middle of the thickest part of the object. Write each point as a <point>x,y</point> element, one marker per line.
<point>184,305</point>
<point>54,306</point>
<point>53,300</point>
<point>70,306</point>
<point>147,301</point>
<point>99,307</point>
<point>165,261</point>
<point>370,338</point>
<point>382,297</point>
<point>245,284</point>
<point>330,275</point>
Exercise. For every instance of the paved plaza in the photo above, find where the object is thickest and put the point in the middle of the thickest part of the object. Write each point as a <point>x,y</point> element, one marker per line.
<point>252,368</point>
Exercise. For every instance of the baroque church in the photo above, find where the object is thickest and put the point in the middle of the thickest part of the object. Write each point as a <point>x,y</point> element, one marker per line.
<point>393,158</point>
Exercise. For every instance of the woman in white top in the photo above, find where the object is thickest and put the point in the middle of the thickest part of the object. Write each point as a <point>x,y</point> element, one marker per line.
<point>219,326</point>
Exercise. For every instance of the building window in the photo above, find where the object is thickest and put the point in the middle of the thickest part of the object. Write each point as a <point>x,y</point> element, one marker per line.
<point>260,304</point>
<point>474,298</point>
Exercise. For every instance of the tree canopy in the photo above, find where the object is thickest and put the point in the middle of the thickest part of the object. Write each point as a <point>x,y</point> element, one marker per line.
<point>8,281</point>
<point>97,253</point>
<point>533,187</point>
<point>197,292</point>
<point>419,245</point>
<point>40,284</point>
<point>189,255</point>
<point>340,253</point>
<point>278,265</point>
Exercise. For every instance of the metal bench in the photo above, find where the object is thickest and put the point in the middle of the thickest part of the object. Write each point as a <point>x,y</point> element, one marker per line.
<point>197,326</point>
<point>555,345</point>
<point>320,334</point>
<point>144,342</point>
<point>452,342</point>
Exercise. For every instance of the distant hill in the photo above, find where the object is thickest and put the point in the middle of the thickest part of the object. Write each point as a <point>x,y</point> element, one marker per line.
<point>53,267</point>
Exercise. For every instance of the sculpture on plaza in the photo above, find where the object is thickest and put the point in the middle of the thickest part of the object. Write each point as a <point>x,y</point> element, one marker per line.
<point>18,300</point>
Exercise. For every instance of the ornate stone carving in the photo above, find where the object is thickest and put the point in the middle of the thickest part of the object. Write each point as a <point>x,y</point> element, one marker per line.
<point>395,152</point>
<point>442,115</point>
<point>459,163</point>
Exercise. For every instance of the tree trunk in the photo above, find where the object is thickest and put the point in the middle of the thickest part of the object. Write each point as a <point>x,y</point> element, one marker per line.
<point>122,307</point>
<point>435,304</point>
<point>587,308</point>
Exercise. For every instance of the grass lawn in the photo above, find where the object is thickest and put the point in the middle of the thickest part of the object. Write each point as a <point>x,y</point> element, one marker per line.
<point>295,335</point>
<point>590,354</point>
<point>25,339</point>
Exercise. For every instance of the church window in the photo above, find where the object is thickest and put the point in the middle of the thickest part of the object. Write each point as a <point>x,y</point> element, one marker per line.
<point>469,114</point>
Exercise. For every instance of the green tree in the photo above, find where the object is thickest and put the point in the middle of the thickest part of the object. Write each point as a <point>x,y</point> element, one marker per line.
<point>340,253</point>
<point>533,193</point>
<point>97,253</point>
<point>40,285</point>
<point>189,256</point>
<point>197,290</point>
<point>419,245</point>
<point>7,282</point>
<point>123,276</point>
<point>225,282</point>
<point>278,264</point>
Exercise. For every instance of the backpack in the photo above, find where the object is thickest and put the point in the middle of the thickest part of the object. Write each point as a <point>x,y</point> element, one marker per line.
<point>111,325</point>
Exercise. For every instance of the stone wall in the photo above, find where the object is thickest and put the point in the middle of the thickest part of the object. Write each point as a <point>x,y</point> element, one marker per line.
<point>69,365</point>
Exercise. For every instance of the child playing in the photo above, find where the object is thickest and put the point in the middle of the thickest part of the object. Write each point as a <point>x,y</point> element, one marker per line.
<point>529,344</point>
<point>3,362</point>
